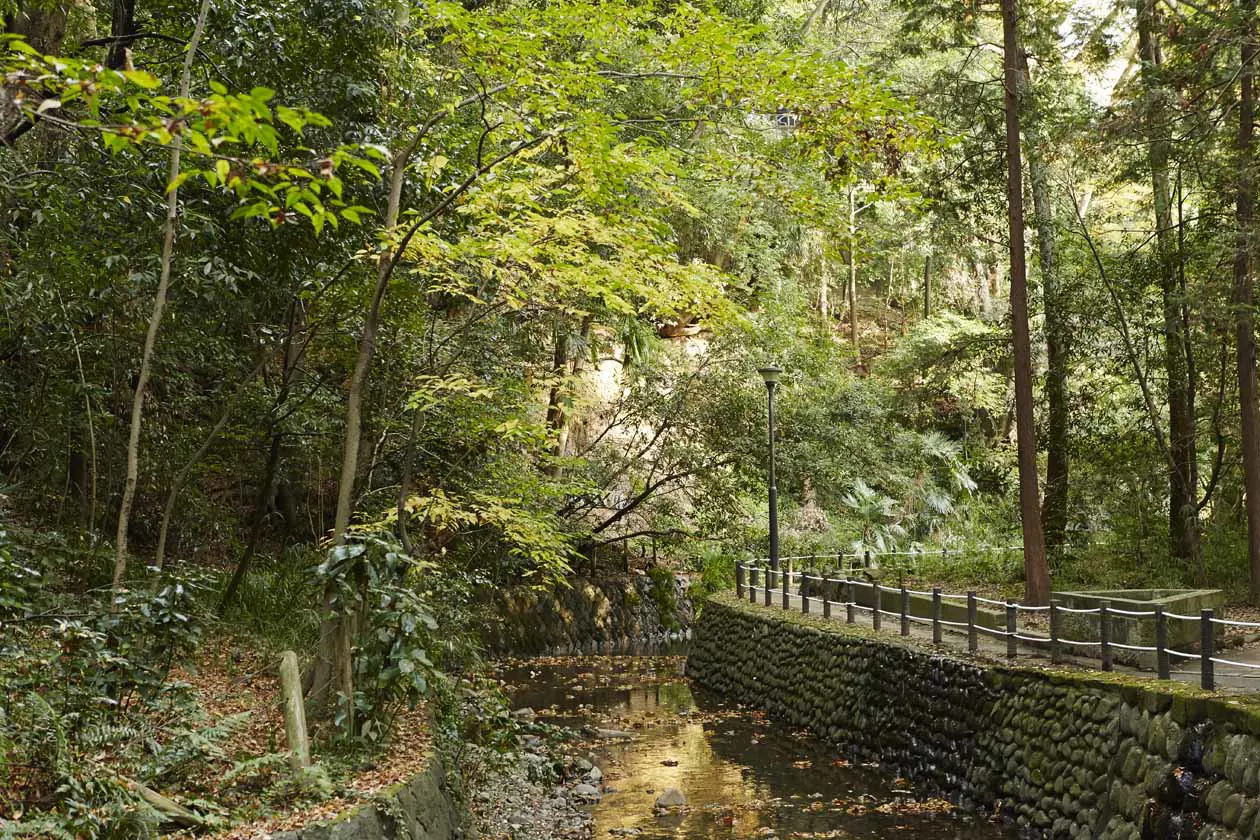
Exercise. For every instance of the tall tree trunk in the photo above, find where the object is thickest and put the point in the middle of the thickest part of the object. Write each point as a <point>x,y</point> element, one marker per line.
<point>1054,511</point>
<point>1183,534</point>
<point>1036,575</point>
<point>1243,298</point>
<point>155,318</point>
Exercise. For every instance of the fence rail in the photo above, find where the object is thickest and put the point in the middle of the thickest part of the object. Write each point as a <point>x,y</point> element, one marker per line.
<point>755,578</point>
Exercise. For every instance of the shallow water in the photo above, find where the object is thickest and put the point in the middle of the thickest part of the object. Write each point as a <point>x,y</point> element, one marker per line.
<point>743,775</point>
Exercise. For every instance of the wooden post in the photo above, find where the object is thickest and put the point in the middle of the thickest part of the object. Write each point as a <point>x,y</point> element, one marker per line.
<point>875,622</point>
<point>1012,644</point>
<point>752,584</point>
<point>739,580</point>
<point>785,581</point>
<point>294,711</point>
<point>1056,655</point>
<point>769,576</point>
<point>826,596</point>
<point>1104,634</point>
<point>905,611</point>
<point>936,615</point>
<point>973,641</point>
<point>1161,643</point>
<point>804,592</point>
<point>866,559</point>
<point>849,617</point>
<point>1206,641</point>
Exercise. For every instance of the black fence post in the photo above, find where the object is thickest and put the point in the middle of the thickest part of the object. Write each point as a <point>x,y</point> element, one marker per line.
<point>752,584</point>
<point>1206,641</point>
<point>1161,643</point>
<point>936,615</point>
<point>787,586</point>
<point>1012,644</point>
<point>769,581</point>
<point>973,642</point>
<point>905,611</point>
<point>849,617</point>
<point>826,595</point>
<point>879,600</point>
<point>866,559</point>
<point>1056,655</point>
<point>1104,634</point>
<point>739,580</point>
<point>804,591</point>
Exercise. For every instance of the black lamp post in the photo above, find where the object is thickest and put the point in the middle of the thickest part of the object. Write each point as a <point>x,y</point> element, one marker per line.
<point>771,375</point>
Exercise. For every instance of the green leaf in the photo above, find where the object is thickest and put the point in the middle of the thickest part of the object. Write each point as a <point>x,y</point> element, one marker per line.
<point>178,181</point>
<point>142,78</point>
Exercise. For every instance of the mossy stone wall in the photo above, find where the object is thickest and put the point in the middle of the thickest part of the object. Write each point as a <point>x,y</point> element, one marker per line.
<point>424,808</point>
<point>1063,754</point>
<point>588,615</point>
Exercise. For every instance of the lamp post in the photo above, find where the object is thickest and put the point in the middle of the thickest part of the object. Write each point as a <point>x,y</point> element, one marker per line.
<point>771,375</point>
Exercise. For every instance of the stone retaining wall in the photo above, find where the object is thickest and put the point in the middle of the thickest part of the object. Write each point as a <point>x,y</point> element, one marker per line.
<point>424,808</point>
<point>1064,754</point>
<point>588,616</point>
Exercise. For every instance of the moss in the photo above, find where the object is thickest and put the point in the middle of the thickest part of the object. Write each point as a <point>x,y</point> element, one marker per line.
<point>661,591</point>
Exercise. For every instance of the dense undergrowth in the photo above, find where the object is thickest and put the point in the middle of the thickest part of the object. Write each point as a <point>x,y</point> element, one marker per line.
<point>107,701</point>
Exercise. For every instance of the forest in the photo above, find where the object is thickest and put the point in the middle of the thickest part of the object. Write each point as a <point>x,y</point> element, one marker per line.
<point>321,319</point>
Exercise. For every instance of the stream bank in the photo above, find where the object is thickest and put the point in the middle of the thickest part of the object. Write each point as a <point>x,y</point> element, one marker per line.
<point>628,730</point>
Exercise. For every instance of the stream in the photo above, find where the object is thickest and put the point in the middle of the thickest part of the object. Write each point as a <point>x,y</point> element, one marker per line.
<point>742,774</point>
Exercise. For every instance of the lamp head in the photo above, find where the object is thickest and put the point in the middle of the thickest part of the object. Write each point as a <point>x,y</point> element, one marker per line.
<point>771,374</point>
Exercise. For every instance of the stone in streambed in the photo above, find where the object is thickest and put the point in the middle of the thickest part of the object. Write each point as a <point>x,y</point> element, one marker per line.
<point>671,798</point>
<point>587,792</point>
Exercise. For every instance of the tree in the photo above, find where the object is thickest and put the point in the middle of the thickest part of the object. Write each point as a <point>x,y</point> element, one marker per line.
<point>1036,575</point>
<point>169,232</point>
<point>1182,491</point>
<point>1243,296</point>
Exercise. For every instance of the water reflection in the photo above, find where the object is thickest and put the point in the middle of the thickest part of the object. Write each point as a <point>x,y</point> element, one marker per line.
<point>743,775</point>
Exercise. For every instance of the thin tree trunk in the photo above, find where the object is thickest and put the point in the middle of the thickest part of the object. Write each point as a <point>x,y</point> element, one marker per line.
<point>155,318</point>
<point>404,484</point>
<point>84,474</point>
<point>181,478</point>
<point>927,286</point>
<point>329,670</point>
<point>559,372</point>
<point>1243,298</point>
<point>853,305</point>
<point>292,353</point>
<point>1036,575</point>
<point>1182,494</point>
<point>265,489</point>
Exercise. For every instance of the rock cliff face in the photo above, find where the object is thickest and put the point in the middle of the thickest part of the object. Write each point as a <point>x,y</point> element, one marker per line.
<point>589,616</point>
<point>1063,754</point>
